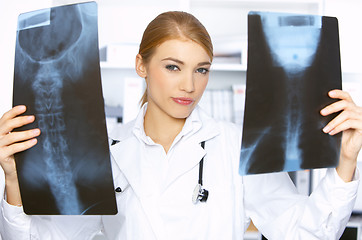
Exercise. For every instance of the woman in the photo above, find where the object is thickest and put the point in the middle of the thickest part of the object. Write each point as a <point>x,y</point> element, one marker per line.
<point>156,158</point>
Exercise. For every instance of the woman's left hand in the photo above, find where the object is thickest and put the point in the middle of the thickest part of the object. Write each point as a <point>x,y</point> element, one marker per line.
<point>349,121</point>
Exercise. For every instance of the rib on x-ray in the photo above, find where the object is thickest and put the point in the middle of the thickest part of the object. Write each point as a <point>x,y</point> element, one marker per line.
<point>293,61</point>
<point>57,77</point>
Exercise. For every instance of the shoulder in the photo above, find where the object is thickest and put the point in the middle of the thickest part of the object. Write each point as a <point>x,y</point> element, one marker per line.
<point>225,126</point>
<point>228,133</point>
<point>230,128</point>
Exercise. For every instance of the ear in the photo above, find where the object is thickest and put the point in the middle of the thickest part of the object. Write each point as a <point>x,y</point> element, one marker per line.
<point>140,67</point>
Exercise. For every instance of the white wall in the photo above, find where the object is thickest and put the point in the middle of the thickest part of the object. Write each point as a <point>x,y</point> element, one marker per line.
<point>348,13</point>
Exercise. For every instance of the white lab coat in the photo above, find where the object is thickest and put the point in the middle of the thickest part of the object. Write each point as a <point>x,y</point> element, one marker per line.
<point>157,188</point>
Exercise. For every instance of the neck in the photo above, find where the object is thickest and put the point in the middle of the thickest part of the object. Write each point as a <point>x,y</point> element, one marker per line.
<point>162,128</point>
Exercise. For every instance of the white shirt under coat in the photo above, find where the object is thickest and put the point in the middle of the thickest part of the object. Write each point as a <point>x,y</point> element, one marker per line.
<point>156,198</point>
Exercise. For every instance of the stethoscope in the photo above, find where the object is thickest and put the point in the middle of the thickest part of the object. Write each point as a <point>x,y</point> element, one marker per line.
<point>200,193</point>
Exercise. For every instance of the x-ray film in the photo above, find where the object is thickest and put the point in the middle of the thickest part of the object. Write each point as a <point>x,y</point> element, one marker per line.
<point>293,62</point>
<point>57,76</point>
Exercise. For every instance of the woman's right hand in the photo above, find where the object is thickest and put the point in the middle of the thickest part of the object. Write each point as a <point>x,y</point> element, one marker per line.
<point>14,142</point>
<point>11,143</point>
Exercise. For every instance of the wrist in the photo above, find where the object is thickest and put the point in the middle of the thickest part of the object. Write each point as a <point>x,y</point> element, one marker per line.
<point>12,189</point>
<point>11,178</point>
<point>348,155</point>
<point>346,168</point>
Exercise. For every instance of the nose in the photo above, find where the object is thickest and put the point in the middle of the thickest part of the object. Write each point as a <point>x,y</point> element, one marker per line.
<point>187,83</point>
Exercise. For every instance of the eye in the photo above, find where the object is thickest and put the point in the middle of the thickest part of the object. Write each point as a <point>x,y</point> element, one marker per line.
<point>202,70</point>
<point>172,67</point>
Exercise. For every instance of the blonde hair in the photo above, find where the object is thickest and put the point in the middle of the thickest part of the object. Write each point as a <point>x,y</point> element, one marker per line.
<point>173,25</point>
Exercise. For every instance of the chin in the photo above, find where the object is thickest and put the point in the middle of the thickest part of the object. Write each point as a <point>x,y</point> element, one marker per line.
<point>180,112</point>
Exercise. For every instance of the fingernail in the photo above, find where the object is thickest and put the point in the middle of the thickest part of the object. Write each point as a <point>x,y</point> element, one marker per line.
<point>332,93</point>
<point>31,118</point>
<point>36,132</point>
<point>326,129</point>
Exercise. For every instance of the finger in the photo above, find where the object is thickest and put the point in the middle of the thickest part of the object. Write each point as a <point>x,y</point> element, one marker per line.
<point>348,124</point>
<point>346,115</point>
<point>340,94</point>
<point>336,107</point>
<point>15,111</point>
<point>8,151</point>
<point>19,137</point>
<point>10,124</point>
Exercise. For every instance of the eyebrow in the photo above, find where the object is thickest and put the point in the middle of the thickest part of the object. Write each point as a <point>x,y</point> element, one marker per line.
<point>181,62</point>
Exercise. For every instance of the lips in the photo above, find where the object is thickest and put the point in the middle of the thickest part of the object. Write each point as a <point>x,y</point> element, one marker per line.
<point>183,101</point>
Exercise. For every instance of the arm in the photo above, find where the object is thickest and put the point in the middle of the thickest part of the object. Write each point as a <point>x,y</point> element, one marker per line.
<point>350,122</point>
<point>279,212</point>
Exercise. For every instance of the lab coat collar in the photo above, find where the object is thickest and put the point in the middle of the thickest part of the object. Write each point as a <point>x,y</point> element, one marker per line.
<point>198,122</point>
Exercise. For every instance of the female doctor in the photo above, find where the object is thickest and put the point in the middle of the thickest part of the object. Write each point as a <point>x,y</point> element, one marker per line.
<point>157,158</point>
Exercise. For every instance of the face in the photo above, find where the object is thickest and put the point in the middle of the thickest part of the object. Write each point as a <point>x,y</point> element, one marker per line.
<point>176,76</point>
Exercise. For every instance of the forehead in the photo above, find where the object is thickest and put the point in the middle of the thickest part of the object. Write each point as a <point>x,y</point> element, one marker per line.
<point>184,50</point>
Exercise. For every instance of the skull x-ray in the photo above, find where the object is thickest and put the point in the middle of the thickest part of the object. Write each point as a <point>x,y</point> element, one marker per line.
<point>293,62</point>
<point>57,76</point>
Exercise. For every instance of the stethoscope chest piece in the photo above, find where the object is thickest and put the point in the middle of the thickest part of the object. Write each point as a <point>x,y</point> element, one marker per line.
<point>200,194</point>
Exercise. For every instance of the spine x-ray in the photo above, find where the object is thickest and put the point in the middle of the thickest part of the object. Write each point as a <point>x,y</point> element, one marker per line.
<point>57,76</point>
<point>293,62</point>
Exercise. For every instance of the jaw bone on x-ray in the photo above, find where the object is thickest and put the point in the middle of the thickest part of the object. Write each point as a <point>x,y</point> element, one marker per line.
<point>57,77</point>
<point>293,61</point>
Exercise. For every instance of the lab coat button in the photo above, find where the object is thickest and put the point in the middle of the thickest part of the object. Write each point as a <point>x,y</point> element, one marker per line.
<point>118,189</point>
